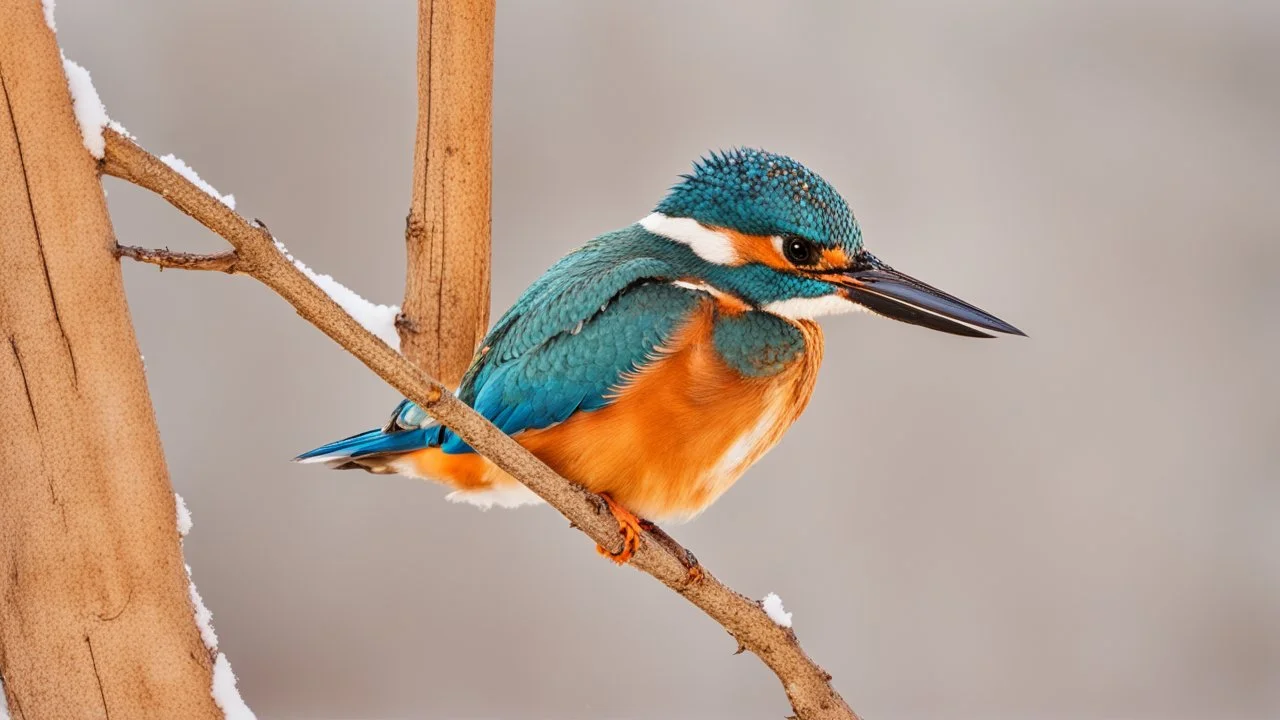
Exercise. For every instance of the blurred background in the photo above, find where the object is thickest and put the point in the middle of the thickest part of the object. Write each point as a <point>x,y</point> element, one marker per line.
<point>1079,525</point>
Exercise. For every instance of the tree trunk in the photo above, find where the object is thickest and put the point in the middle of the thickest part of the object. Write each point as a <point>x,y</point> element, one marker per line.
<point>95,616</point>
<point>446,299</point>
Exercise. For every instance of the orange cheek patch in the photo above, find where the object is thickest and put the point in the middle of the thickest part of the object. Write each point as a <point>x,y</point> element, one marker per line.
<point>835,258</point>
<point>761,249</point>
<point>755,248</point>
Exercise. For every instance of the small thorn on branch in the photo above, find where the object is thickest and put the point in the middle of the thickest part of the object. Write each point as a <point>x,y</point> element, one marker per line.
<point>227,262</point>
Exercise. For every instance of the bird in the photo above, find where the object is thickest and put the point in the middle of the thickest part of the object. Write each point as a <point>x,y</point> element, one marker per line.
<point>656,363</point>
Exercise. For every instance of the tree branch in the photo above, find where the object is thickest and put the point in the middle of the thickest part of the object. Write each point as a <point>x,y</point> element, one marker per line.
<point>221,262</point>
<point>807,685</point>
<point>87,515</point>
<point>446,291</point>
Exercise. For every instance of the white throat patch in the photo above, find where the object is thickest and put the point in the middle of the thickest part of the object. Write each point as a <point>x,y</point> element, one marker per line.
<point>710,245</point>
<point>810,308</point>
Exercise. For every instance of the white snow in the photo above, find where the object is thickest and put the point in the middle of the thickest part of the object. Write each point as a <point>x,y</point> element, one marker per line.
<point>4,703</point>
<point>114,125</point>
<point>772,605</point>
<point>223,688</point>
<point>91,114</point>
<point>377,319</point>
<point>225,693</point>
<point>185,171</point>
<point>89,111</point>
<point>184,517</point>
<point>204,618</point>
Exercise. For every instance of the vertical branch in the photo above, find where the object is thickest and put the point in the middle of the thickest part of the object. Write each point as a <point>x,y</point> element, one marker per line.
<point>446,302</point>
<point>95,616</point>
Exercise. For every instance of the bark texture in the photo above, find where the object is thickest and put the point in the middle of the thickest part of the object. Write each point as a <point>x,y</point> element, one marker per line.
<point>446,300</point>
<point>95,616</point>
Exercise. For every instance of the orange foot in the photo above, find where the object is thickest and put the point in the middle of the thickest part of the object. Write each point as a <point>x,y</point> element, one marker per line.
<point>628,526</point>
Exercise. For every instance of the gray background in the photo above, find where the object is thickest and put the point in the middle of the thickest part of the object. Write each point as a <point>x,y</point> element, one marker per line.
<point>1079,525</point>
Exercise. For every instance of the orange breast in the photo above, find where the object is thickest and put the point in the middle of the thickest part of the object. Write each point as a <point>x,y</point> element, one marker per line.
<point>684,429</point>
<point>678,434</point>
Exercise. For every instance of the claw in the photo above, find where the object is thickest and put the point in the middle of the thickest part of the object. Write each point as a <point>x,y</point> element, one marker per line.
<point>629,526</point>
<point>693,567</point>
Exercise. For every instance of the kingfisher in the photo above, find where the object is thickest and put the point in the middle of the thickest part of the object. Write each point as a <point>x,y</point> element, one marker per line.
<point>656,363</point>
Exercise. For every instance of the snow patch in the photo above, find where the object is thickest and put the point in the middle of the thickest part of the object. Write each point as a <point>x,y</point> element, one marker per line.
<point>4,703</point>
<point>185,171</point>
<point>48,20</point>
<point>772,605</point>
<point>204,618</point>
<point>377,319</point>
<point>114,125</point>
<point>184,517</point>
<point>223,689</point>
<point>225,693</point>
<point>91,115</point>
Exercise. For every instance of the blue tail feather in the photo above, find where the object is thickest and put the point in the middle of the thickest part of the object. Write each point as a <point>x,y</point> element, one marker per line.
<point>373,442</point>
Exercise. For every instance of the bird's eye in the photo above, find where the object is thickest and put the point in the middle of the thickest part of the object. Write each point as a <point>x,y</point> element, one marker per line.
<point>799,251</point>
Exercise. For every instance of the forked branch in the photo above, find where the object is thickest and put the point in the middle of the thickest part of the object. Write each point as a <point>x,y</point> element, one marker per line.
<point>807,686</point>
<point>219,262</point>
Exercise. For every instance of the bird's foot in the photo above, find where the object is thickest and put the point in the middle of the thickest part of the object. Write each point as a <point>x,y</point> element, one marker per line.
<point>629,526</point>
<point>690,561</point>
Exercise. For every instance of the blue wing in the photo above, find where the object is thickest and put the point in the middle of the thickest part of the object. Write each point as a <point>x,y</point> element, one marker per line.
<point>568,340</point>
<point>576,370</point>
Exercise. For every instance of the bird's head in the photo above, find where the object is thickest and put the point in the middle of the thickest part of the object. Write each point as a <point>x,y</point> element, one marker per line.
<point>775,235</point>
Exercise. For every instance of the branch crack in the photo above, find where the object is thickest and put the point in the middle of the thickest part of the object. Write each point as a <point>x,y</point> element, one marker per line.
<point>101,692</point>
<point>35,224</point>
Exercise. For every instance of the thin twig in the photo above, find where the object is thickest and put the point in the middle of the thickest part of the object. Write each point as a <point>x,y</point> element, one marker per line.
<point>226,262</point>
<point>807,685</point>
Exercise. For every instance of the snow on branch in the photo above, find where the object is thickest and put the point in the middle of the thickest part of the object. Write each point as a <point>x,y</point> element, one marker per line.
<point>225,693</point>
<point>772,605</point>
<point>223,687</point>
<point>377,319</point>
<point>185,170</point>
<point>90,113</point>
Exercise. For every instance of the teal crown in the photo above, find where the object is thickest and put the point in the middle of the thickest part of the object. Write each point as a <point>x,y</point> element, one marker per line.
<point>762,193</point>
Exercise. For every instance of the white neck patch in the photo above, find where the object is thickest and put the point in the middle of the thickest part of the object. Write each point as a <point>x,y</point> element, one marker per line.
<point>710,245</point>
<point>810,308</point>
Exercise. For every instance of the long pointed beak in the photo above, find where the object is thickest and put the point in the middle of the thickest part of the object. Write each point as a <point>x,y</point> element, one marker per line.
<point>887,292</point>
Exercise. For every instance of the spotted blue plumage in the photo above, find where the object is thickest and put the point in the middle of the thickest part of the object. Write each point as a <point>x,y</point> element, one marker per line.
<point>757,344</point>
<point>763,193</point>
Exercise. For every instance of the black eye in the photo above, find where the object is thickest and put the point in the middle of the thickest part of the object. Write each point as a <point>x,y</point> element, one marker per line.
<point>799,251</point>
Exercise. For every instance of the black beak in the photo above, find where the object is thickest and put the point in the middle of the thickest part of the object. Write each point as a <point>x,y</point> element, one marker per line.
<point>887,292</point>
